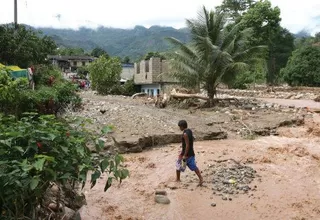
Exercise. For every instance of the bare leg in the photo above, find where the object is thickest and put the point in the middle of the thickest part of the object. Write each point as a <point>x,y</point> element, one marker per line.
<point>197,171</point>
<point>178,175</point>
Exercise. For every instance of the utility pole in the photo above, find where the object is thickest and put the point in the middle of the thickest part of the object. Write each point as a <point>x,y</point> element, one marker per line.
<point>16,14</point>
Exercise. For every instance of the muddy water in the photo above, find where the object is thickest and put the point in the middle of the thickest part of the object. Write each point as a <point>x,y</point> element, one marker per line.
<point>289,187</point>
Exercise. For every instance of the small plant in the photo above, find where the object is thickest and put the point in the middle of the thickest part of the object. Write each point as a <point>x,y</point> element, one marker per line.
<point>38,150</point>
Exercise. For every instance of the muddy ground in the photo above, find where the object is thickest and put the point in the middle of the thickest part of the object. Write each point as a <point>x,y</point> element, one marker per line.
<point>287,163</point>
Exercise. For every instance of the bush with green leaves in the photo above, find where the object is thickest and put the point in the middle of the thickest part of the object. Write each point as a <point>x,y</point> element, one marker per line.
<point>12,92</point>
<point>38,150</point>
<point>303,67</point>
<point>16,96</point>
<point>105,74</point>
<point>44,74</point>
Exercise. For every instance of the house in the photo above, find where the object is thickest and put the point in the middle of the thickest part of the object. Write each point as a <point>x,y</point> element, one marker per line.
<point>153,76</point>
<point>70,63</point>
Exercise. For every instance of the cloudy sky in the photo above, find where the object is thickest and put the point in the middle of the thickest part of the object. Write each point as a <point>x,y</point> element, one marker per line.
<point>296,15</point>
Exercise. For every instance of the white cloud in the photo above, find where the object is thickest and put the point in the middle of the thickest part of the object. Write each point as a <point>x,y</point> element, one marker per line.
<point>127,13</point>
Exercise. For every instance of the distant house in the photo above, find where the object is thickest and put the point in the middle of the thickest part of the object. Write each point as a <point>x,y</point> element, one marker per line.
<point>70,63</point>
<point>153,76</point>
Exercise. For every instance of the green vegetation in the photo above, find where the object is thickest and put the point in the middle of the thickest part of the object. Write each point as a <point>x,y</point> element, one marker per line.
<point>265,22</point>
<point>303,67</point>
<point>215,52</point>
<point>134,43</point>
<point>38,150</point>
<point>23,47</point>
<point>105,77</point>
<point>105,74</point>
<point>97,52</point>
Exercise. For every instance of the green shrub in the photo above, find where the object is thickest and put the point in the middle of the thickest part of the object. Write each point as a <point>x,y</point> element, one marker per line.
<point>303,67</point>
<point>16,97</point>
<point>44,74</point>
<point>12,93</point>
<point>129,88</point>
<point>105,75</point>
<point>38,150</point>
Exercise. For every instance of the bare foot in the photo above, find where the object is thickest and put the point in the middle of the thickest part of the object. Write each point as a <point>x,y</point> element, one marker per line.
<point>200,182</point>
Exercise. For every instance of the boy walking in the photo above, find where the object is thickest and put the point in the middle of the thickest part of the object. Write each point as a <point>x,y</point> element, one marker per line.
<point>187,155</point>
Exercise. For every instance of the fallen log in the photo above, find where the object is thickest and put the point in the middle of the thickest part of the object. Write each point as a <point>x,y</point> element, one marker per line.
<point>196,96</point>
<point>140,94</point>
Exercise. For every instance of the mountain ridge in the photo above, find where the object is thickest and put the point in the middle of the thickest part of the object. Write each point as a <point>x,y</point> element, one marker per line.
<point>135,42</point>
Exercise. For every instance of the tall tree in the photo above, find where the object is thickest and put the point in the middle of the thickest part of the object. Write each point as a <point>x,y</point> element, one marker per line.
<point>303,67</point>
<point>126,59</point>
<point>214,51</point>
<point>105,74</point>
<point>23,46</point>
<point>265,22</point>
<point>317,37</point>
<point>97,52</point>
<point>235,8</point>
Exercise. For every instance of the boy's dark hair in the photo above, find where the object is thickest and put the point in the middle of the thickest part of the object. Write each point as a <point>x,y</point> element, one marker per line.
<point>183,123</point>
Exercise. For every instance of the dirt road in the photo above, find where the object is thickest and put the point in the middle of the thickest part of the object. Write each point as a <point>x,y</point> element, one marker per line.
<point>289,187</point>
<point>288,166</point>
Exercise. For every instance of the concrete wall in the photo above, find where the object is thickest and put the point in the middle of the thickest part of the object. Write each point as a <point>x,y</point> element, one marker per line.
<point>151,89</point>
<point>127,72</point>
<point>152,71</point>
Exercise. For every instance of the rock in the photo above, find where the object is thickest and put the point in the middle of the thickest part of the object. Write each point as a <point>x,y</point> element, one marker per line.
<point>53,206</point>
<point>55,189</point>
<point>248,107</point>
<point>211,135</point>
<point>161,199</point>
<point>213,204</point>
<point>161,192</point>
<point>69,213</point>
<point>224,198</point>
<point>299,96</point>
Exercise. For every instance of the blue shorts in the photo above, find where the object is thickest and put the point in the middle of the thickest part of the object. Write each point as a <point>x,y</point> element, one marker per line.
<point>191,163</point>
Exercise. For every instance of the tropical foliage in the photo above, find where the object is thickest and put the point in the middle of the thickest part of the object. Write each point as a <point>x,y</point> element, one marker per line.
<point>105,74</point>
<point>303,68</point>
<point>23,46</point>
<point>215,52</point>
<point>36,151</point>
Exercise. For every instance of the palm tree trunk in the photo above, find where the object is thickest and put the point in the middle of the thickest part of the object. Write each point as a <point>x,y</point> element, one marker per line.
<point>211,93</point>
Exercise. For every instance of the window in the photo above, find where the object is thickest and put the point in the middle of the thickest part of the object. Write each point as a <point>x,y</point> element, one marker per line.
<point>142,90</point>
<point>158,91</point>
<point>146,77</point>
<point>83,63</point>
<point>74,63</point>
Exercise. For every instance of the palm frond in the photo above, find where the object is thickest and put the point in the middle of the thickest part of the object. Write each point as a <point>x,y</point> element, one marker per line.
<point>249,53</point>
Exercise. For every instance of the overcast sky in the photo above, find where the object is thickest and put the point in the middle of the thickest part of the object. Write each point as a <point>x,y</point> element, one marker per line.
<point>296,15</point>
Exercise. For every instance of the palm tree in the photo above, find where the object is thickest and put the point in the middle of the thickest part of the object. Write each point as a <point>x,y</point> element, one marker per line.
<point>217,52</point>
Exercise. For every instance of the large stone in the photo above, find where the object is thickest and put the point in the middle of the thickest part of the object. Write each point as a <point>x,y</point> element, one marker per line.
<point>68,213</point>
<point>211,135</point>
<point>161,192</point>
<point>161,199</point>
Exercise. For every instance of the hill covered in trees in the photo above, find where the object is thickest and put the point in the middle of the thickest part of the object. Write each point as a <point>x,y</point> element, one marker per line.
<point>134,42</point>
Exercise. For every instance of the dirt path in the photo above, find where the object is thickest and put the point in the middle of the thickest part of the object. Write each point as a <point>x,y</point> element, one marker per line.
<point>289,187</point>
